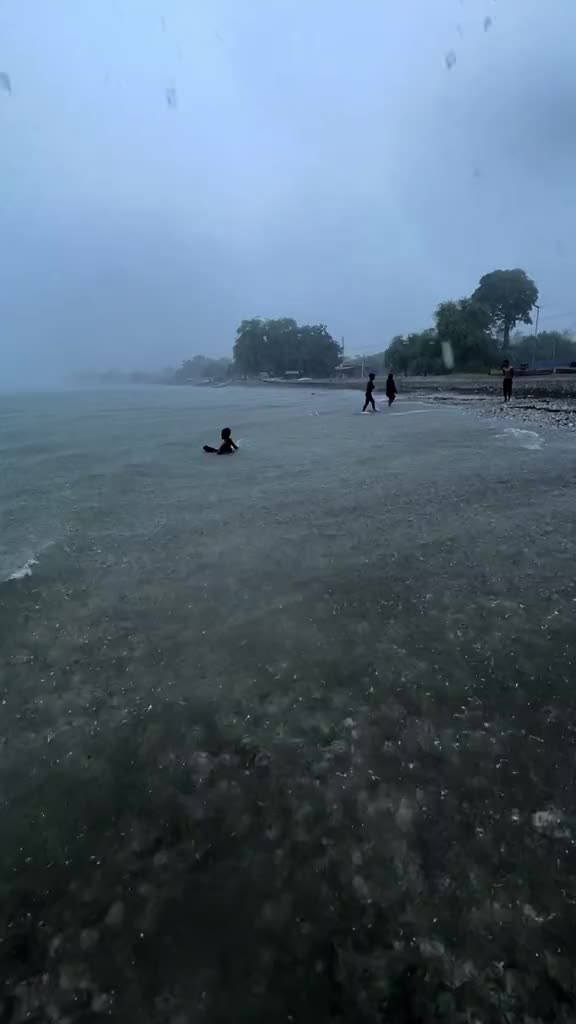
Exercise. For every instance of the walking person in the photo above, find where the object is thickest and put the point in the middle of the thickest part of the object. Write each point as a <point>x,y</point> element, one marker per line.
<point>508,375</point>
<point>391,389</point>
<point>370,393</point>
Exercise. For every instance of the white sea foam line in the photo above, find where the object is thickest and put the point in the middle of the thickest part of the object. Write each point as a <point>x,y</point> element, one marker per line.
<point>528,438</point>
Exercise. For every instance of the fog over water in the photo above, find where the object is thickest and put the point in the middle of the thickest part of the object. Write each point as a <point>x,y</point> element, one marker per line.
<point>169,169</point>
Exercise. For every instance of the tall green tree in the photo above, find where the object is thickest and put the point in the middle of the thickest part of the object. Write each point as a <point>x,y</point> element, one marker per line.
<point>282,349</point>
<point>417,353</point>
<point>424,347</point>
<point>250,347</point>
<point>508,296</point>
<point>398,355</point>
<point>319,353</point>
<point>280,345</point>
<point>465,325</point>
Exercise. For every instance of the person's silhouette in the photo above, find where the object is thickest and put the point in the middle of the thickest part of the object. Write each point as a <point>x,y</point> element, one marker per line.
<point>508,377</point>
<point>391,389</point>
<point>228,446</point>
<point>369,394</point>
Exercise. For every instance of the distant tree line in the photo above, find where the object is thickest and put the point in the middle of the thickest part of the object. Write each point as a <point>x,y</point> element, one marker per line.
<point>268,347</point>
<point>194,371</point>
<point>123,378</point>
<point>472,333</point>
<point>546,346</point>
<point>277,347</point>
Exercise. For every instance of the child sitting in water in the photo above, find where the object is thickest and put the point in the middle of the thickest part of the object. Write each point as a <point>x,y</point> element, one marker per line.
<point>228,447</point>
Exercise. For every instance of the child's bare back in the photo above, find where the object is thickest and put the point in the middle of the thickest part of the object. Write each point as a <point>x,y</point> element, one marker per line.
<point>228,446</point>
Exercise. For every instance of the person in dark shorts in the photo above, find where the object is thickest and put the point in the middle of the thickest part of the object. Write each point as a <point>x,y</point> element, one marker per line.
<point>391,389</point>
<point>370,394</point>
<point>508,374</point>
<point>228,447</point>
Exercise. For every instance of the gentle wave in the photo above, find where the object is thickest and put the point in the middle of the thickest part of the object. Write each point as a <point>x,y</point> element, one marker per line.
<point>8,561</point>
<point>24,570</point>
<point>528,438</point>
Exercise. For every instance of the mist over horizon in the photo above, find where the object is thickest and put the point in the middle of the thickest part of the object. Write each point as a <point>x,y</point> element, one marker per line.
<point>169,172</point>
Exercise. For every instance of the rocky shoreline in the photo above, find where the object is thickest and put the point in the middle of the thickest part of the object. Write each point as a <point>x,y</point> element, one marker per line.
<point>544,401</point>
<point>539,402</point>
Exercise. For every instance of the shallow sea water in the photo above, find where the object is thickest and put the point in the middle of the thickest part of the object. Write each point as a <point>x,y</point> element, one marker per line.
<point>287,735</point>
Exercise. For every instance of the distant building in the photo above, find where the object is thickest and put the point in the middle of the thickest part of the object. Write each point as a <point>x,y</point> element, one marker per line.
<point>553,364</point>
<point>348,371</point>
<point>546,366</point>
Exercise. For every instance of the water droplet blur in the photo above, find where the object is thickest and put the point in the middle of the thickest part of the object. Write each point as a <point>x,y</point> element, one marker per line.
<point>450,59</point>
<point>447,355</point>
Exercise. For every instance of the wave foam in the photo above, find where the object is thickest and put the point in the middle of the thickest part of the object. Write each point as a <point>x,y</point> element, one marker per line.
<point>24,570</point>
<point>527,438</point>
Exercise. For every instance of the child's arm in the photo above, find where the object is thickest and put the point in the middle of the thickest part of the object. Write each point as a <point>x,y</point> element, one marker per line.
<point>234,445</point>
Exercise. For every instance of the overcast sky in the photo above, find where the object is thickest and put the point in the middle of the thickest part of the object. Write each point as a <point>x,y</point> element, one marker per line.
<point>169,167</point>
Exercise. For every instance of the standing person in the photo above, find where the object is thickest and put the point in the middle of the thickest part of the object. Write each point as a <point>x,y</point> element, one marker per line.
<point>391,389</point>
<point>369,394</point>
<point>508,374</point>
